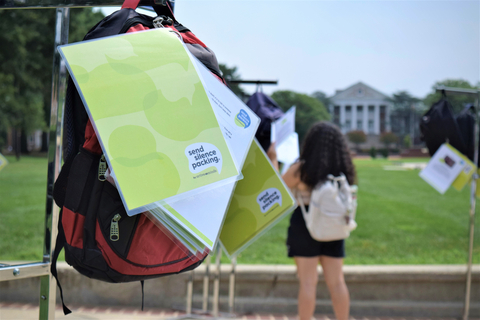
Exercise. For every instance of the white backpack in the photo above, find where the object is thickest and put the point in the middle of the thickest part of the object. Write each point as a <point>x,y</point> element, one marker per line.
<point>332,209</point>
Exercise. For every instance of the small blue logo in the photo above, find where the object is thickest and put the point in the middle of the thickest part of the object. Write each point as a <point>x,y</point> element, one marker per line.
<point>242,119</point>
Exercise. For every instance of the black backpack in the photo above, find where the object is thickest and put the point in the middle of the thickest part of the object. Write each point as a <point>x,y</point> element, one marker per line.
<point>268,111</point>
<point>466,123</point>
<point>100,240</point>
<point>438,125</point>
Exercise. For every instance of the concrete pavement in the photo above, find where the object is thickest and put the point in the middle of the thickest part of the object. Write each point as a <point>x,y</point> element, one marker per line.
<point>16,311</point>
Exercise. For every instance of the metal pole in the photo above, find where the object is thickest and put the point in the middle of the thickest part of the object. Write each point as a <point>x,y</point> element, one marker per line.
<point>47,283</point>
<point>231,288</point>
<point>206,281</point>
<point>216,283</point>
<point>473,199</point>
<point>188,309</point>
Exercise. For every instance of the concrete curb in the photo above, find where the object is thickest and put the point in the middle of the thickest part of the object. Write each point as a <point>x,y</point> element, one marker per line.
<point>398,290</point>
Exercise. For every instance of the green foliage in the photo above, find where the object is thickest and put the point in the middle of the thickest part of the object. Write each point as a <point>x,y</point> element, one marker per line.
<point>388,137</point>
<point>403,101</point>
<point>232,74</point>
<point>24,34</point>
<point>458,101</point>
<point>357,136</point>
<point>407,141</point>
<point>384,152</point>
<point>373,152</point>
<point>323,98</point>
<point>308,109</point>
<point>26,57</point>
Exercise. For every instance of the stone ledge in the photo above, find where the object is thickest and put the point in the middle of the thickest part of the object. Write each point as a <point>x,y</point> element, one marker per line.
<point>398,290</point>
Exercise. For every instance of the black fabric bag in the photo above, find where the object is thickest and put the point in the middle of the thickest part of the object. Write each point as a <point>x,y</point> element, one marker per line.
<point>268,111</point>
<point>466,124</point>
<point>438,125</point>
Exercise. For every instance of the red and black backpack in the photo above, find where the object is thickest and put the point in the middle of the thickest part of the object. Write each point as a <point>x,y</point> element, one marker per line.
<point>100,240</point>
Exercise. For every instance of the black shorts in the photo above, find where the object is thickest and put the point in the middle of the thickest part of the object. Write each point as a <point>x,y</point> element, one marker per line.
<point>301,244</point>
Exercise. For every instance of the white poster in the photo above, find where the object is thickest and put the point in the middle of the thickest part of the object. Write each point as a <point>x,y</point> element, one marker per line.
<point>283,127</point>
<point>443,168</point>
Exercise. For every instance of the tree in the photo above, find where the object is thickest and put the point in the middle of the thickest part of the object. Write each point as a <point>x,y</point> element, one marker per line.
<point>308,109</point>
<point>81,20</point>
<point>232,74</point>
<point>22,57</point>
<point>357,137</point>
<point>405,114</point>
<point>458,101</point>
<point>322,97</point>
<point>26,55</point>
<point>388,138</point>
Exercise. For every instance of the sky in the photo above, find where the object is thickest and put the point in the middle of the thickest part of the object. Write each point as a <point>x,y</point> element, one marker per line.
<point>323,46</point>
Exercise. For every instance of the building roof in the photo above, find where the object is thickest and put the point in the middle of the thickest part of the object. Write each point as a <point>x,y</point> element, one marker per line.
<point>358,91</point>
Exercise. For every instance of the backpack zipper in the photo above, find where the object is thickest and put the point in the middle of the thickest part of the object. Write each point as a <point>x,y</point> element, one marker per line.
<point>158,22</point>
<point>114,231</point>
<point>102,168</point>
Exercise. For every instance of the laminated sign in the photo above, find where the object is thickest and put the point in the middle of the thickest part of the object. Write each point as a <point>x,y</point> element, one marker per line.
<point>153,116</point>
<point>448,167</point>
<point>260,200</point>
<point>196,221</point>
<point>3,162</point>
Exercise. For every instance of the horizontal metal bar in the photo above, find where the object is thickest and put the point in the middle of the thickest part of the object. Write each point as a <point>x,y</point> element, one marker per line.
<point>45,4</point>
<point>254,81</point>
<point>21,271</point>
<point>461,91</point>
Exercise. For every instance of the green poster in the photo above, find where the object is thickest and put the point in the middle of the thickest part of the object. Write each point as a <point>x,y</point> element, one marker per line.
<point>260,200</point>
<point>152,114</point>
<point>3,162</point>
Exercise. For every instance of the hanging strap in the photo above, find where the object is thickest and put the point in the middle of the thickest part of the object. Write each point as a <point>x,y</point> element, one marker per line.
<point>53,266</point>
<point>300,201</point>
<point>162,9</point>
<point>130,4</point>
<point>142,282</point>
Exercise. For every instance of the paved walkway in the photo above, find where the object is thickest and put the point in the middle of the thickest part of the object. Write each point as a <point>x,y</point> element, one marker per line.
<point>16,311</point>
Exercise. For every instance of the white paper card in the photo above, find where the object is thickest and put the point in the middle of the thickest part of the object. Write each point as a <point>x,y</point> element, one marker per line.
<point>443,168</point>
<point>283,127</point>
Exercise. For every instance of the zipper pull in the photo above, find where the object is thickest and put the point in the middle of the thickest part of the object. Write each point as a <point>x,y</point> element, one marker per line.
<point>158,22</point>
<point>114,231</point>
<point>102,168</point>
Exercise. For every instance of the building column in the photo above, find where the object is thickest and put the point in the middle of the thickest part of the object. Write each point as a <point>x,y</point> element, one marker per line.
<point>387,117</point>
<point>342,118</point>
<point>354,117</point>
<point>376,120</point>
<point>365,119</point>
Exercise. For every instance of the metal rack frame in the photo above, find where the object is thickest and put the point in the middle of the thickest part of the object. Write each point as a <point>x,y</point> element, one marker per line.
<point>473,188</point>
<point>41,269</point>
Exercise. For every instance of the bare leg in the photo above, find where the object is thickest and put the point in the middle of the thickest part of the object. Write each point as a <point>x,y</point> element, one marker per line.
<point>308,277</point>
<point>332,270</point>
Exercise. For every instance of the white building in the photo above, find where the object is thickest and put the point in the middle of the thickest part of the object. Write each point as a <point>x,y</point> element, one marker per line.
<point>360,107</point>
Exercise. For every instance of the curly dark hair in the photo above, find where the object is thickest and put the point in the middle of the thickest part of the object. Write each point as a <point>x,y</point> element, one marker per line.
<point>324,152</point>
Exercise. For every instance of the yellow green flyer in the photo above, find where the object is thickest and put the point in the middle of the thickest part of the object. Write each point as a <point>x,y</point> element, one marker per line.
<point>152,114</point>
<point>3,162</point>
<point>259,201</point>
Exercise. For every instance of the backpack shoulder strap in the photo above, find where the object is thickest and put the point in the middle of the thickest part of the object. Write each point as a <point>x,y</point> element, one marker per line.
<point>130,4</point>
<point>53,266</point>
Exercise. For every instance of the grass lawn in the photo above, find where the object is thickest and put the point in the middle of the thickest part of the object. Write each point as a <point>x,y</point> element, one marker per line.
<point>401,219</point>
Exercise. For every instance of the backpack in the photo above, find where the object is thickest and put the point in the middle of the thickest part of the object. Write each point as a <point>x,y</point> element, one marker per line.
<point>332,209</point>
<point>268,111</point>
<point>100,240</point>
<point>466,123</point>
<point>438,125</point>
